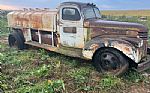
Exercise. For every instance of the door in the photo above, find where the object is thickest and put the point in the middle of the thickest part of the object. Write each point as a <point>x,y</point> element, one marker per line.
<point>71,27</point>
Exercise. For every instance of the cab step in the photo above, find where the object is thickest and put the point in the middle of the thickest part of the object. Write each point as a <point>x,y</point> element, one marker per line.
<point>45,46</point>
<point>69,51</point>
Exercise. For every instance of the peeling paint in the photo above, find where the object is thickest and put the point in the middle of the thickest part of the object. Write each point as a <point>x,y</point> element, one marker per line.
<point>128,48</point>
<point>37,19</point>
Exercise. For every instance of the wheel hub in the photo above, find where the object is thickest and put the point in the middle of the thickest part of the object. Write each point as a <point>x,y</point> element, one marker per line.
<point>109,61</point>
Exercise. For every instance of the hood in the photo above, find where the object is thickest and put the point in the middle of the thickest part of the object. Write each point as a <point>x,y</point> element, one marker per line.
<point>114,28</point>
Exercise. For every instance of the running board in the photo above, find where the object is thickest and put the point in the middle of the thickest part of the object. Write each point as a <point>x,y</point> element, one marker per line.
<point>45,46</point>
<point>74,52</point>
<point>143,66</point>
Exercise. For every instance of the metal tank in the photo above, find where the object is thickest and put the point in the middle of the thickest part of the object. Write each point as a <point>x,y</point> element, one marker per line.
<point>39,19</point>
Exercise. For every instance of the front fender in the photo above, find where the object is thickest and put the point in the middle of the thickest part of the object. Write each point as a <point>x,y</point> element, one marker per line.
<point>128,47</point>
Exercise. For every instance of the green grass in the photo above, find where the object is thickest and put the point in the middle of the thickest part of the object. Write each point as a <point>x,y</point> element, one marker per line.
<point>3,26</point>
<point>26,71</point>
<point>126,12</point>
<point>40,71</point>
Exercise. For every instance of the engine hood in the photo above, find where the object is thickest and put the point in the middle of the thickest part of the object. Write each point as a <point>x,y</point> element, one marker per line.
<point>114,28</point>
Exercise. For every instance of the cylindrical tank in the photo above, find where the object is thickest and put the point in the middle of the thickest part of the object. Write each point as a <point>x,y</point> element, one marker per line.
<point>36,19</point>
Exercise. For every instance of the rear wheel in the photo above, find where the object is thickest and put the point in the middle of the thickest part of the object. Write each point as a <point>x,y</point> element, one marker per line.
<point>110,61</point>
<point>15,40</point>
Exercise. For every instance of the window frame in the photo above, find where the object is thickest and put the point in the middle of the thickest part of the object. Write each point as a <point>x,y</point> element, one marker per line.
<point>76,10</point>
<point>72,30</point>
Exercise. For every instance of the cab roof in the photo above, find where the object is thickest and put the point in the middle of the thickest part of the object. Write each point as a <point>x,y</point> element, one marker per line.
<point>79,4</point>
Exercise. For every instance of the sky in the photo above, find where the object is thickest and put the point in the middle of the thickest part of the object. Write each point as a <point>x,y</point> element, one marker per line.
<point>102,4</point>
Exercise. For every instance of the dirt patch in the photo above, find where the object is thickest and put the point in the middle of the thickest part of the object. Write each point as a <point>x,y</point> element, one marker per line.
<point>4,39</point>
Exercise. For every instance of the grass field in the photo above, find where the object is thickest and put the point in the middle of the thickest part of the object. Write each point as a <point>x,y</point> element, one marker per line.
<point>127,12</point>
<point>39,71</point>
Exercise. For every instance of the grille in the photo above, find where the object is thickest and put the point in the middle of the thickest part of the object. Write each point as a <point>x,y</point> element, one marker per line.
<point>143,35</point>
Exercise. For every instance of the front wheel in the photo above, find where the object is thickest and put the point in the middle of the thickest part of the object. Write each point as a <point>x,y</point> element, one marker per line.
<point>110,61</point>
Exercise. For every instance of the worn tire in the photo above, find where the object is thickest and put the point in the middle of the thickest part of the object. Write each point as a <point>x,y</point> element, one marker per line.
<point>110,61</point>
<point>15,39</point>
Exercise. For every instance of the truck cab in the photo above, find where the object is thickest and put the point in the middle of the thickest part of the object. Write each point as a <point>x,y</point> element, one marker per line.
<point>76,29</point>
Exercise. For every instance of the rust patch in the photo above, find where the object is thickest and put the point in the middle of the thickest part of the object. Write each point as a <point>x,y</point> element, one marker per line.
<point>35,19</point>
<point>132,47</point>
<point>114,28</point>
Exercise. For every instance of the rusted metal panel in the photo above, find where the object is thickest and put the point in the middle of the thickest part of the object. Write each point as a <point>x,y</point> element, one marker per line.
<point>35,19</point>
<point>133,48</point>
<point>101,27</point>
<point>130,38</point>
<point>21,19</point>
<point>12,18</point>
<point>114,24</point>
<point>49,20</point>
<point>27,16</point>
<point>74,52</point>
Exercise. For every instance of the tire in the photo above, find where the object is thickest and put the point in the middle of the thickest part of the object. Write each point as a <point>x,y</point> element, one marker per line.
<point>110,61</point>
<point>15,40</point>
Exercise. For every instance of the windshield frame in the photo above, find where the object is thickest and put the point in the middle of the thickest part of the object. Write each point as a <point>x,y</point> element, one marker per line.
<point>93,9</point>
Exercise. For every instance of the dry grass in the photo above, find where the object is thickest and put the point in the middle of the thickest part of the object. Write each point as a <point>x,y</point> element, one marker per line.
<point>127,12</point>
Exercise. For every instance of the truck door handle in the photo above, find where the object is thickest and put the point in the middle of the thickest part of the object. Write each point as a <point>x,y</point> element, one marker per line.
<point>72,36</point>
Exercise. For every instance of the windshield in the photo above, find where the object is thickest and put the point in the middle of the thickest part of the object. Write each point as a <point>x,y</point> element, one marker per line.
<point>91,12</point>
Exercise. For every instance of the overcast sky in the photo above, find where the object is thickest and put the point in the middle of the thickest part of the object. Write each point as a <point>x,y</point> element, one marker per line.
<point>102,4</point>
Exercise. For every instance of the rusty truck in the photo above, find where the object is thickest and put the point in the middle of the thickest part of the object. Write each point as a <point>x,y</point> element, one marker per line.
<point>76,29</point>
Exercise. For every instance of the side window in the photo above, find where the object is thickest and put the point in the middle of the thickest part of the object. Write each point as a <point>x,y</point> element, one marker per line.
<point>70,14</point>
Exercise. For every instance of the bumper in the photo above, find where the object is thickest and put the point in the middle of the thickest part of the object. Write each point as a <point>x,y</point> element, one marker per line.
<point>143,66</point>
